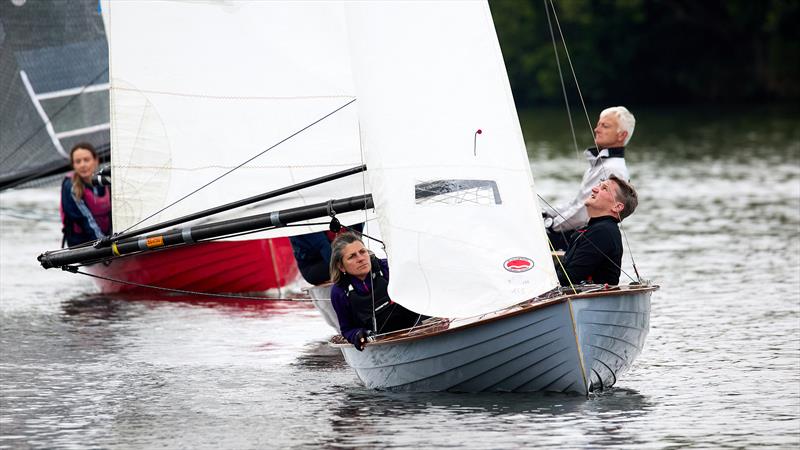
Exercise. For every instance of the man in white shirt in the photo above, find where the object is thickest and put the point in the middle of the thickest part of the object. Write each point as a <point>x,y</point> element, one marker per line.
<point>612,133</point>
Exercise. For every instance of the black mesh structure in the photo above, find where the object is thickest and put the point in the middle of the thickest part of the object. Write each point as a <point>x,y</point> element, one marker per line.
<point>53,83</point>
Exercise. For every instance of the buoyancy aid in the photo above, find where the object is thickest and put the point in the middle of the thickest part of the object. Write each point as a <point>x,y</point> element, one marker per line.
<point>99,207</point>
<point>362,303</point>
<point>389,316</point>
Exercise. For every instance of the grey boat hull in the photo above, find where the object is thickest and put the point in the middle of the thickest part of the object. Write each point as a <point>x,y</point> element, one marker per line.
<point>576,343</point>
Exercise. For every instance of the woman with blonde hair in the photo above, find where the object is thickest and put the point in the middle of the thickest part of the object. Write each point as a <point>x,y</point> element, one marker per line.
<point>85,208</point>
<point>360,293</point>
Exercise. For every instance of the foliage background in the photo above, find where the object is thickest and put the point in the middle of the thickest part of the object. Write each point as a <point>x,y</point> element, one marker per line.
<point>654,52</point>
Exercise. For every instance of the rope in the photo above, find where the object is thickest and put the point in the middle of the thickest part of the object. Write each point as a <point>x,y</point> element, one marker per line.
<point>74,269</point>
<point>561,78</point>
<point>572,69</point>
<point>588,121</point>
<point>242,164</point>
<point>566,274</point>
<point>593,245</point>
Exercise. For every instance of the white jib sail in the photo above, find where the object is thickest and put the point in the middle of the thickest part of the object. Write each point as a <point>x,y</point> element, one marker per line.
<point>198,87</point>
<point>457,207</point>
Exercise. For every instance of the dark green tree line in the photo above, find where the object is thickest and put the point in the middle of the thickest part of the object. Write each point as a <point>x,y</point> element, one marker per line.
<point>654,51</point>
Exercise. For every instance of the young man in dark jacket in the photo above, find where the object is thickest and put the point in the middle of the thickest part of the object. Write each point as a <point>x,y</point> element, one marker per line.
<point>595,255</point>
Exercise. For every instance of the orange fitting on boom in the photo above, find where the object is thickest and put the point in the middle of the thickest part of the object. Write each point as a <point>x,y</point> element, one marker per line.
<point>155,241</point>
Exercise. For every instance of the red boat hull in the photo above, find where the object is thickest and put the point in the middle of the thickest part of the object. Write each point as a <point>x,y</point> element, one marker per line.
<point>214,267</point>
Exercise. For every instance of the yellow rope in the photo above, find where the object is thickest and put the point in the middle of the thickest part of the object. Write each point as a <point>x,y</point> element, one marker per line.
<point>553,250</point>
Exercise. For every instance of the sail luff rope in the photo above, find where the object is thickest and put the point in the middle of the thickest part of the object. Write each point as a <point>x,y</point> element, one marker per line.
<point>242,164</point>
<point>55,114</point>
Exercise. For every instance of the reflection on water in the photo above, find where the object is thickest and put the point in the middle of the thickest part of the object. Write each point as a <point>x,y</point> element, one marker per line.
<point>484,420</point>
<point>718,228</point>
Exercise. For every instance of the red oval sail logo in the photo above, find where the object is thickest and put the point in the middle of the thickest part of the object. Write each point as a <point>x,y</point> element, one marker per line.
<point>518,264</point>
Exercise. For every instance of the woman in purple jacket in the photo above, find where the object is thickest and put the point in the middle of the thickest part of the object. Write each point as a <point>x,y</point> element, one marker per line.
<point>360,294</point>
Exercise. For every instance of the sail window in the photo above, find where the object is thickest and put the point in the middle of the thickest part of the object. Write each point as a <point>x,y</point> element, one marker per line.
<point>457,192</point>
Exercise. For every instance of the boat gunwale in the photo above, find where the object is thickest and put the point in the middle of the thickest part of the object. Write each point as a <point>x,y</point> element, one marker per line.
<point>524,307</point>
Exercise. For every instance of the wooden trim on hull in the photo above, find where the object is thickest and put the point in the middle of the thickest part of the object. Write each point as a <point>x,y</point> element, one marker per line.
<point>440,326</point>
<point>567,343</point>
<point>215,267</point>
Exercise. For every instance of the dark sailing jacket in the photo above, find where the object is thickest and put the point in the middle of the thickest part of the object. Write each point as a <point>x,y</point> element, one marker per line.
<point>351,319</point>
<point>353,301</point>
<point>595,254</point>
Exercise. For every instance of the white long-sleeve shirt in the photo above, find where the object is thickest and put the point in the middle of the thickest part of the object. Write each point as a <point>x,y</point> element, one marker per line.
<point>572,215</point>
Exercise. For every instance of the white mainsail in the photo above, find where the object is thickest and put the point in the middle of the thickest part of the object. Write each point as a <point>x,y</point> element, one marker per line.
<point>198,87</point>
<point>457,208</point>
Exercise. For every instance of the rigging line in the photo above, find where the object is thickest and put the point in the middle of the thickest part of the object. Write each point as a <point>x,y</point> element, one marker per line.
<point>563,85</point>
<point>577,85</point>
<point>575,79</point>
<point>572,69</point>
<point>361,233</point>
<point>558,258</point>
<point>186,292</point>
<point>364,192</point>
<point>593,244</point>
<point>588,121</point>
<point>630,250</point>
<point>608,258</point>
<point>49,121</point>
<point>242,164</point>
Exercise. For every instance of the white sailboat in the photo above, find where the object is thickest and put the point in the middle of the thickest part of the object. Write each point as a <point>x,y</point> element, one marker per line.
<point>449,176</point>
<point>422,97</point>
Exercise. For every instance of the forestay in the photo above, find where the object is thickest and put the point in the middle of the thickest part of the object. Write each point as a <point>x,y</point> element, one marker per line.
<point>457,209</point>
<point>200,87</point>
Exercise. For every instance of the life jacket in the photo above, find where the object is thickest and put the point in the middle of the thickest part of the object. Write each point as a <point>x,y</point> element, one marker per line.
<point>361,304</point>
<point>389,315</point>
<point>99,207</point>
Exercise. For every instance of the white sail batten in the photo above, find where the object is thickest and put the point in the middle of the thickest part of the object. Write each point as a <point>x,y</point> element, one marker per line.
<point>197,88</point>
<point>457,207</point>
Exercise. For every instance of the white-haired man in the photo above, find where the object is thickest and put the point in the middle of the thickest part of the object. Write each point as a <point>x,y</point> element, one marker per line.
<point>612,133</point>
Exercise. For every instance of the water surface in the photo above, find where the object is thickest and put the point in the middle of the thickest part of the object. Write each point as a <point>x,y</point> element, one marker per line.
<point>718,228</point>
